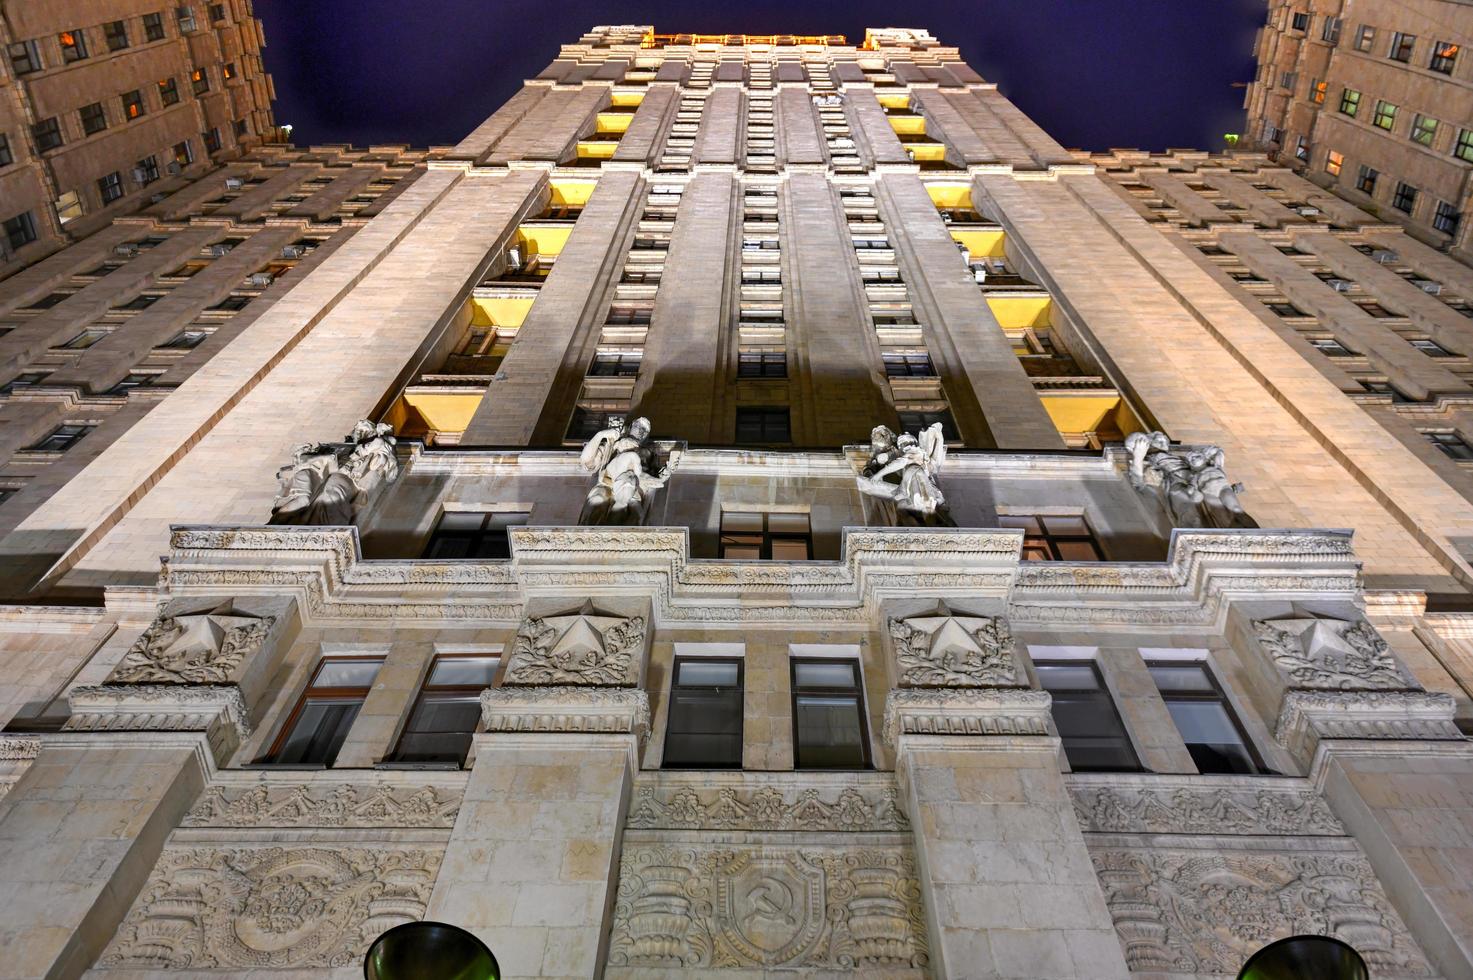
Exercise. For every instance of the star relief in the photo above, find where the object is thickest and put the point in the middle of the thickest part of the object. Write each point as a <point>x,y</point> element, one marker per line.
<point>1324,652</point>
<point>205,631</point>
<point>200,647</point>
<point>950,648</point>
<point>581,634</point>
<point>950,634</point>
<point>582,646</point>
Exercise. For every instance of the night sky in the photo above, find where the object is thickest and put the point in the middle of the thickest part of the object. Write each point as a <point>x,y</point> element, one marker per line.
<point>1149,74</point>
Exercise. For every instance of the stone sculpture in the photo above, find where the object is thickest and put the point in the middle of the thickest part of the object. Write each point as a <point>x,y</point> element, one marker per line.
<point>913,461</point>
<point>334,482</point>
<point>201,647</point>
<point>628,471</point>
<point>1192,484</point>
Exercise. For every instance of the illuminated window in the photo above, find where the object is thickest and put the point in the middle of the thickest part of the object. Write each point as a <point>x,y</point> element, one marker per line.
<point>445,715</point>
<point>116,33</point>
<point>318,725</point>
<point>1318,90</point>
<point>61,438</point>
<point>1424,129</point>
<point>1334,162</point>
<point>1447,218</point>
<point>1444,57</point>
<point>1349,101</point>
<point>229,70</point>
<point>133,107</point>
<point>183,153</point>
<point>1365,179</point>
<point>199,80</point>
<point>762,536</point>
<point>25,57</point>
<point>759,425</point>
<point>68,207</point>
<point>168,91</point>
<point>47,134</point>
<point>153,27</point>
<point>1405,198</point>
<point>73,45</point>
<point>1463,149</point>
<point>94,118</point>
<point>1365,38</point>
<point>1385,117</point>
<point>1401,47</point>
<point>1054,537</point>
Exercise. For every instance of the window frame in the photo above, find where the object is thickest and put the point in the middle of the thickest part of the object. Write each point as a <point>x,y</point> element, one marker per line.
<point>153,27</point>
<point>47,134</point>
<point>169,91</point>
<point>1366,178</point>
<point>763,414</point>
<point>311,692</point>
<point>1044,539</point>
<point>7,156</point>
<point>740,692</point>
<point>861,708</point>
<point>1452,445</point>
<point>115,33</point>
<point>1218,695</point>
<point>476,538</point>
<point>1442,63</point>
<point>68,435</point>
<point>1421,132</point>
<point>93,118</point>
<point>1102,692</point>
<point>1384,115</point>
<point>767,536</point>
<point>73,45</point>
<point>1404,198</point>
<point>1402,46</point>
<point>1349,102</point>
<point>1463,146</point>
<point>1446,218</point>
<point>29,55</point>
<point>20,230</point>
<point>1334,163</point>
<point>134,105</point>
<point>428,692</point>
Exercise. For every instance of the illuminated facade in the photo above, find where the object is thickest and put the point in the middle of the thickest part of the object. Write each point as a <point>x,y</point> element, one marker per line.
<point>999,589</point>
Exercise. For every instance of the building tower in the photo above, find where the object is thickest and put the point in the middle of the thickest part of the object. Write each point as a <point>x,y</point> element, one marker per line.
<point>760,504</point>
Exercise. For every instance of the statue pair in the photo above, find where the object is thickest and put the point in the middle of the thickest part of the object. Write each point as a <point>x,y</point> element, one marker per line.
<point>333,482</point>
<point>1191,483</point>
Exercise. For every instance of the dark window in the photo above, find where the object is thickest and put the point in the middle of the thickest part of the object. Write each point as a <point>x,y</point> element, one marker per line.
<point>241,128</point>
<point>62,438</point>
<point>116,33</point>
<point>761,535</point>
<point>704,730</point>
<point>1285,309</point>
<point>1432,348</point>
<point>184,14</point>
<point>1205,720</point>
<point>73,45</point>
<point>231,303</point>
<point>447,711</point>
<point>914,420</point>
<point>20,230</point>
<point>133,107</point>
<point>130,381</point>
<point>630,315</point>
<point>1349,101</point>
<point>1401,47</point>
<point>1446,218</point>
<point>47,133</point>
<point>140,302</point>
<point>614,365</point>
<point>1444,57</point>
<point>764,424</point>
<point>1405,198</point>
<point>587,423</point>
<point>25,57</point>
<point>1089,726</point>
<point>1452,445</point>
<point>829,729</point>
<point>217,11</point>
<point>24,381</point>
<point>1463,149</point>
<point>199,81</point>
<point>85,339</point>
<point>110,187</point>
<point>48,301</point>
<point>317,726</point>
<point>168,91</point>
<point>94,118</point>
<point>1299,21</point>
<point>762,364</point>
<point>1056,537</point>
<point>474,534</point>
<point>146,171</point>
<point>1331,348</point>
<point>901,365</point>
<point>6,157</point>
<point>1365,179</point>
<point>1385,388</point>
<point>185,340</point>
<point>153,27</point>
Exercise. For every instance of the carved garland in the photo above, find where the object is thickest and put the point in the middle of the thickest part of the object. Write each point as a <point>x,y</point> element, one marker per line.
<point>684,807</point>
<point>302,805</point>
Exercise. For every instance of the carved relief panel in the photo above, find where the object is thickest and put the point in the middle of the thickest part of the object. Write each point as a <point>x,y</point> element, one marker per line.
<point>1319,652</point>
<point>206,645</point>
<point>586,645</point>
<point>949,648</point>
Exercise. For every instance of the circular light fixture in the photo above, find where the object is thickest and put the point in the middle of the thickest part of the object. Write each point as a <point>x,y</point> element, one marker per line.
<point>1305,958</point>
<point>429,951</point>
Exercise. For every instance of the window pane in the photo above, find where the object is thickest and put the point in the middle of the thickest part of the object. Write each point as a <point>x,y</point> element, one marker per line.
<point>319,732</point>
<point>789,549</point>
<point>839,673</point>
<point>1211,735</point>
<point>1077,550</point>
<point>712,673</point>
<point>829,733</point>
<point>736,521</point>
<point>788,523</point>
<point>346,673</point>
<point>1183,677</point>
<point>440,713</point>
<point>464,671</point>
<point>705,724</point>
<point>1067,677</point>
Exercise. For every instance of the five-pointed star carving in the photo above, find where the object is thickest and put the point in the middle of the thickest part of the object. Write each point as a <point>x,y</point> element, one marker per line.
<point>949,631</point>
<point>205,630</point>
<point>1315,634</point>
<point>581,630</point>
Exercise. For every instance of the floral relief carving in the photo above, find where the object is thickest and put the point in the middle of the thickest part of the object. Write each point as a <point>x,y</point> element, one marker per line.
<point>1199,810</point>
<point>270,908</point>
<point>1330,653</point>
<point>945,649</point>
<point>310,806</point>
<point>203,647</point>
<point>580,647</point>
<point>1203,913</point>
<point>758,907</point>
<point>659,805</point>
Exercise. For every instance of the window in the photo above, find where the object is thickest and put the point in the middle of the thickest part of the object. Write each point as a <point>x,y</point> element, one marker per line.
<point>85,339</point>
<point>1204,718</point>
<point>629,315</point>
<point>1271,134</point>
<point>1447,218</point>
<point>1452,445</point>
<point>1333,162</point>
<point>1444,57</point>
<point>25,57</point>
<point>217,11</point>
<point>146,171</point>
<point>140,302</point>
<point>1300,21</point>
<point>1464,148</point>
<point>6,157</point>
<point>24,381</point>
<point>231,304</point>
<point>116,33</point>
<point>914,420</point>
<point>1318,90</point>
<point>479,535</point>
<point>229,70</point>
<point>1405,198</point>
<point>764,424</point>
<point>1054,537</point>
<point>1385,388</point>
<point>211,138</point>
<point>318,725</point>
<point>94,118</point>
<point>762,364</point>
<point>1385,117</point>
<point>1089,726</point>
<point>20,230</point>
<point>183,153</point>
<point>900,364</point>
<point>1349,101</point>
<point>1365,38</point>
<point>1288,80</point>
<point>185,340</point>
<point>587,423</point>
<point>49,300</point>
<point>615,364</point>
<point>73,46</point>
<point>828,715</point>
<point>130,381</point>
<point>110,187</point>
<point>1431,348</point>
<point>68,206</point>
<point>1285,309</point>
<point>133,107</point>
<point>1401,47</point>
<point>1331,348</point>
<point>1330,30</point>
<point>168,91</point>
<point>62,438</point>
<point>153,27</point>
<point>184,16</point>
<point>1424,129</point>
<point>199,80</point>
<point>1301,149</point>
<point>242,127</point>
<point>47,133</point>
<point>447,711</point>
<point>1365,179</point>
<point>762,535</point>
<point>704,730</point>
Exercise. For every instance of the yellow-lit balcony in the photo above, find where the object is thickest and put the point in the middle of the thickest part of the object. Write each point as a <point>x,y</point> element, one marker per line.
<point>899,101</point>
<point>507,311</point>
<point>908,125</point>
<point>596,150</point>
<point>1089,419</point>
<point>612,125</point>
<point>926,152</point>
<point>1016,312</point>
<point>626,100</point>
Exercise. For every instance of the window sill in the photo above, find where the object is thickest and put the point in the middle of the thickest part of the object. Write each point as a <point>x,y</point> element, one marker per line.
<point>287,766</point>
<point>420,766</point>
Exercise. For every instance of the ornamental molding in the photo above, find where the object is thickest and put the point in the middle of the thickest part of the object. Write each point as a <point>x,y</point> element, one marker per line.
<point>711,802</point>
<point>270,908</point>
<point>944,648</point>
<point>157,707</point>
<point>1163,805</point>
<point>206,646</point>
<point>1308,717</point>
<point>1317,652</point>
<point>343,806</point>
<point>687,907</point>
<point>1204,912</point>
<point>965,711</point>
<point>16,755</point>
<point>582,646</point>
<point>572,709</point>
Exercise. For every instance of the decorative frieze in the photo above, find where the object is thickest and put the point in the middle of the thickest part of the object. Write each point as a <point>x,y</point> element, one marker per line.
<point>207,646</point>
<point>965,711</point>
<point>690,907</point>
<point>1306,717</point>
<point>340,806</point>
<point>583,646</point>
<point>1316,652</point>
<point>1204,912</point>
<point>270,908</point>
<point>1160,805</point>
<point>674,803</point>
<point>157,707</point>
<point>943,648</point>
<point>17,752</point>
<point>566,709</point>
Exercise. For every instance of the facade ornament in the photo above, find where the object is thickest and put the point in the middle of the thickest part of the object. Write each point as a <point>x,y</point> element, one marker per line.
<point>942,648</point>
<point>965,711</point>
<point>1306,717</point>
<point>158,707</point>
<point>305,805</point>
<point>1191,483</point>
<point>1317,652</point>
<point>202,647</point>
<point>674,802</point>
<point>603,710</point>
<point>335,482</point>
<point>1161,805</point>
<point>902,471</point>
<point>628,470</point>
<point>583,646</point>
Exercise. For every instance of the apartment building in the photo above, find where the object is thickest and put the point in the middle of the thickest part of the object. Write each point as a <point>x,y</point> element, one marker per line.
<point>758,504</point>
<point>1374,101</point>
<point>108,107</point>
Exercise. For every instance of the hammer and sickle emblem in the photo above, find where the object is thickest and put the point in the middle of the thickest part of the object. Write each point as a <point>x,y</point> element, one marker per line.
<point>772,899</point>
